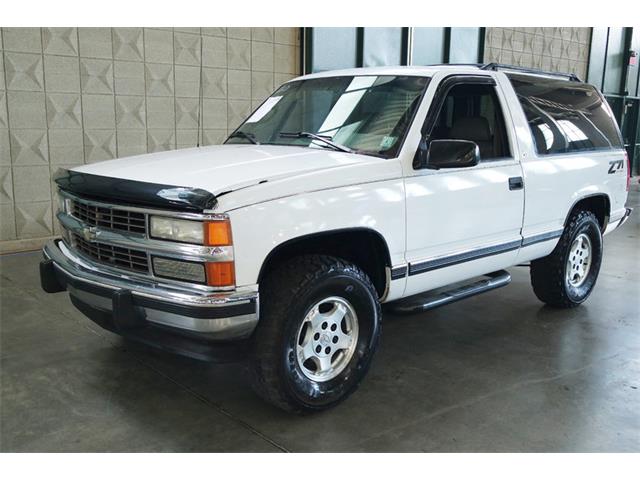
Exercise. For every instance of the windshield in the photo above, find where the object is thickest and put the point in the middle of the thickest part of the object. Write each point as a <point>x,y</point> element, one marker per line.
<point>365,114</point>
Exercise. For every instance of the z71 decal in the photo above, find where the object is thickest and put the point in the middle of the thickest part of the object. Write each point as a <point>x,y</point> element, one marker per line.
<point>616,165</point>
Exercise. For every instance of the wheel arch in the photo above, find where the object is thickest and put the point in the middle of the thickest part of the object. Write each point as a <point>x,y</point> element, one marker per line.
<point>598,203</point>
<point>363,246</point>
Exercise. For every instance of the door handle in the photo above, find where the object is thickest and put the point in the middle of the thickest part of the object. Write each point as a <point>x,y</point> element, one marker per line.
<point>516,183</point>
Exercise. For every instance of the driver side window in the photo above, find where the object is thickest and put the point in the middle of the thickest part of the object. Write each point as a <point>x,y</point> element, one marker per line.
<point>472,112</point>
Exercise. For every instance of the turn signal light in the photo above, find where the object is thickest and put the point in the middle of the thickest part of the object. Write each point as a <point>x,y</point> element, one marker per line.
<point>220,274</point>
<point>217,233</point>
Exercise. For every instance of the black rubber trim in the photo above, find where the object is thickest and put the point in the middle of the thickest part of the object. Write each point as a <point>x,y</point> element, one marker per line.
<point>543,237</point>
<point>135,193</point>
<point>160,305</point>
<point>429,265</point>
<point>398,272</point>
<point>167,338</point>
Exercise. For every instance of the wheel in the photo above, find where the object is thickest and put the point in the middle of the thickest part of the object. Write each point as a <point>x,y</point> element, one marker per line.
<point>319,328</point>
<point>566,277</point>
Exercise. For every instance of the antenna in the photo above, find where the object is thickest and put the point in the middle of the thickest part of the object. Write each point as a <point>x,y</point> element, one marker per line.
<point>200,99</point>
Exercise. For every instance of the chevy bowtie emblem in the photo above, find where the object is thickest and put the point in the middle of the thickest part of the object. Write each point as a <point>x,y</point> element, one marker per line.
<point>89,233</point>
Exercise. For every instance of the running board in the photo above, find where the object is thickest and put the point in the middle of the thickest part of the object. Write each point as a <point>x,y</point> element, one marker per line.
<point>443,296</point>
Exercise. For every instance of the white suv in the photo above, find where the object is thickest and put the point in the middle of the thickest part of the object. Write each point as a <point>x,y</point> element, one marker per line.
<point>342,191</point>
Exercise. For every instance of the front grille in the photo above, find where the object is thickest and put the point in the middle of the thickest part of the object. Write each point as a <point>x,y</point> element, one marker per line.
<point>127,258</point>
<point>112,218</point>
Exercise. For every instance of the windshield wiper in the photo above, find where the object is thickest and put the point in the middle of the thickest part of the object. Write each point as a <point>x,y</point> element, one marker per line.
<point>249,136</point>
<point>315,136</point>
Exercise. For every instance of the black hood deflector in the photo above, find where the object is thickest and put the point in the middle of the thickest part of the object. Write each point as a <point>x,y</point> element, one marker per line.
<point>135,193</point>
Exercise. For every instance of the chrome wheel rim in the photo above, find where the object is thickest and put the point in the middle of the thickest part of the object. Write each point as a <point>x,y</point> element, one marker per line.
<point>579,260</point>
<point>327,339</point>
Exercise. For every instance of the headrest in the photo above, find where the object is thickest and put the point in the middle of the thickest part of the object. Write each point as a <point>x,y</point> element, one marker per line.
<point>475,129</point>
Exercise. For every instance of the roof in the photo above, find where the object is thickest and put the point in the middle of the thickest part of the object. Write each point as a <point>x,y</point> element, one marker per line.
<point>413,70</point>
<point>430,70</point>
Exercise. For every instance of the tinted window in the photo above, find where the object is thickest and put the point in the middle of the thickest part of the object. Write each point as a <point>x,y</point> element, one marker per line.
<point>564,116</point>
<point>472,112</point>
<point>368,114</point>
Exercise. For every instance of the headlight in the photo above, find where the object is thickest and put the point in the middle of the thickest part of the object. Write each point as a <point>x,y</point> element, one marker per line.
<point>177,229</point>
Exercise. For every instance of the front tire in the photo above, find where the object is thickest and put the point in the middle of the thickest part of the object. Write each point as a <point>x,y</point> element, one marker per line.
<point>566,277</point>
<point>319,328</point>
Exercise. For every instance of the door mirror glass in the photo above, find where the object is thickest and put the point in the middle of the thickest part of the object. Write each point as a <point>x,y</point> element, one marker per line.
<point>452,154</point>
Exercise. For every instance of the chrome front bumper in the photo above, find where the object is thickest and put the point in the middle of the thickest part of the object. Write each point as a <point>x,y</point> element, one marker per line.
<point>137,302</point>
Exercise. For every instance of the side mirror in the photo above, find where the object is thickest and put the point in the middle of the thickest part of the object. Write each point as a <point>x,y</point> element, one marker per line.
<point>448,154</point>
<point>452,154</point>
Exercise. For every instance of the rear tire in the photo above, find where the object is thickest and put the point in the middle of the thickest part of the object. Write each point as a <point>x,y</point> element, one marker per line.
<point>319,327</point>
<point>566,277</point>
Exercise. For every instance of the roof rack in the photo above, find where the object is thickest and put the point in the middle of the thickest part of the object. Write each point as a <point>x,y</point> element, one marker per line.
<point>499,66</point>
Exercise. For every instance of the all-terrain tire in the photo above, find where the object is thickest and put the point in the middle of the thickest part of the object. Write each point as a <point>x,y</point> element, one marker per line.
<point>287,295</point>
<point>549,276</point>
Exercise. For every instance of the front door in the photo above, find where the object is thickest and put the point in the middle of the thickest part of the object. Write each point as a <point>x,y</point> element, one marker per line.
<point>464,222</point>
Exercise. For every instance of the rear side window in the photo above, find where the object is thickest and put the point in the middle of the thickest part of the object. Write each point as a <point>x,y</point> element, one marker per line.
<point>566,117</point>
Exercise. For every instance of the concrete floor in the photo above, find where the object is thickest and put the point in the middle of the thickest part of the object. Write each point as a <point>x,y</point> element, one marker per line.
<point>497,372</point>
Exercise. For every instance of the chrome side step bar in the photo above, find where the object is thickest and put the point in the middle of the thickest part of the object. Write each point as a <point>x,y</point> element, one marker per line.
<point>445,295</point>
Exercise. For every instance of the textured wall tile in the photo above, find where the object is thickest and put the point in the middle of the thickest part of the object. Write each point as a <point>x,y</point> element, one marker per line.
<point>5,149</point>
<point>6,186</point>
<point>239,54</point>
<point>262,56</point>
<point>239,84</point>
<point>214,51</point>
<point>4,122</point>
<point>287,36</point>
<point>237,111</point>
<point>64,110</point>
<point>26,40</point>
<point>214,82</point>
<point>261,85</point>
<point>159,80</point>
<point>239,32</point>
<point>214,31</point>
<point>96,76</point>
<point>186,138</point>
<point>29,147</point>
<point>186,49</point>
<point>186,113</point>
<point>99,145</point>
<point>26,110</point>
<point>262,34</point>
<point>285,58</point>
<point>194,30</point>
<point>129,78</point>
<point>62,74</point>
<point>2,85</point>
<point>66,147</point>
<point>95,42</point>
<point>132,142</point>
<point>160,112</point>
<point>34,219</point>
<point>23,71</point>
<point>128,44</point>
<point>214,136</point>
<point>214,113</point>
<point>281,78</point>
<point>130,112</point>
<point>98,111</point>
<point>60,41</point>
<point>7,223</point>
<point>158,46</point>
<point>31,184</point>
<point>187,81</point>
<point>161,140</point>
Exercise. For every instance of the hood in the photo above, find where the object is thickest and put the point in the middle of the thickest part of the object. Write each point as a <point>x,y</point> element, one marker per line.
<point>224,168</point>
